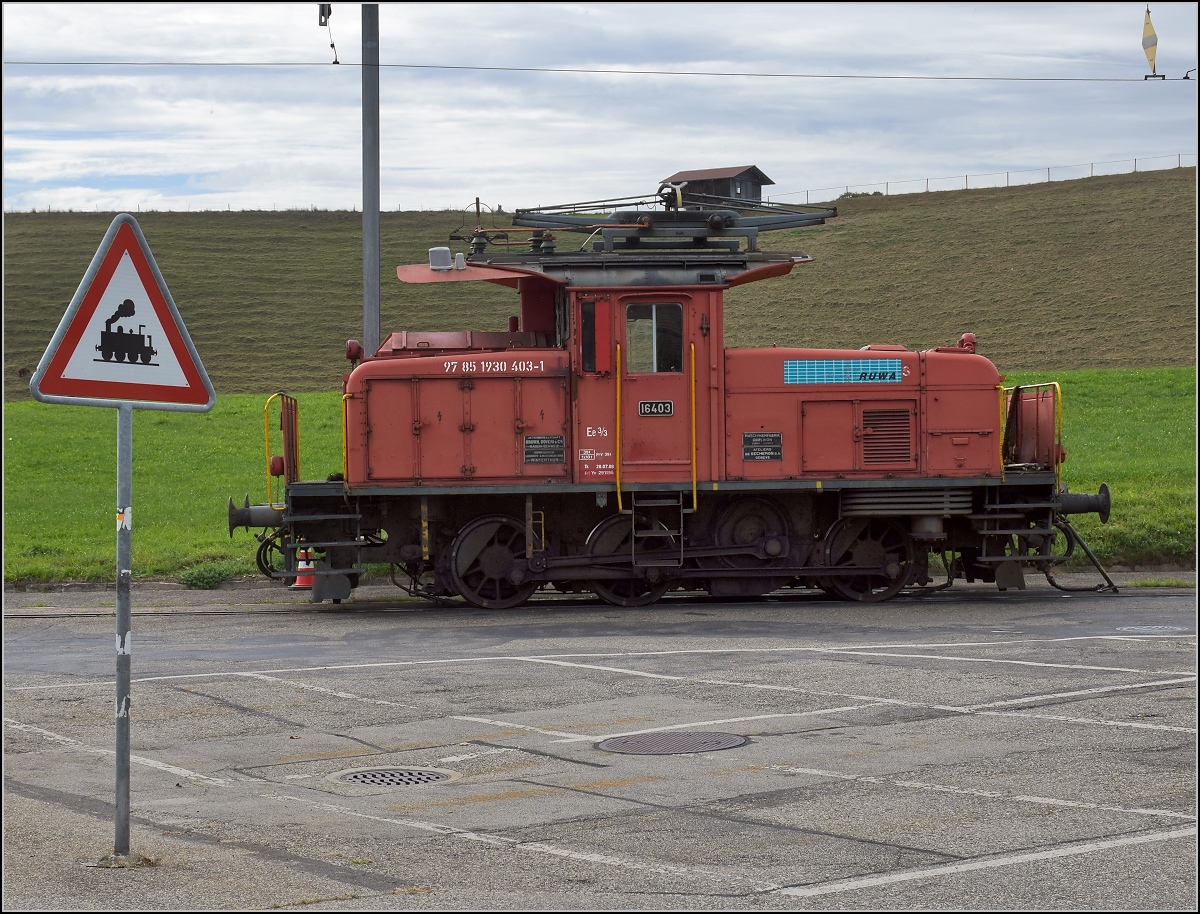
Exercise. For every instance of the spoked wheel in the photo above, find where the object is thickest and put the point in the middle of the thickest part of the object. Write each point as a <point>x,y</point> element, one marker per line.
<point>826,587</point>
<point>483,563</point>
<point>752,522</point>
<point>870,542</point>
<point>614,536</point>
<point>754,534</point>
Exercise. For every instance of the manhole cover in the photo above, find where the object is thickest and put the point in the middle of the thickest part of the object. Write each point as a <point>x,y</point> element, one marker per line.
<point>671,743</point>
<point>1151,629</point>
<point>395,777</point>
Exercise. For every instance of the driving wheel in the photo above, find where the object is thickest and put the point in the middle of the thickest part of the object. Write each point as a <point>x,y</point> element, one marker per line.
<point>748,523</point>
<point>878,543</point>
<point>483,563</point>
<point>614,536</point>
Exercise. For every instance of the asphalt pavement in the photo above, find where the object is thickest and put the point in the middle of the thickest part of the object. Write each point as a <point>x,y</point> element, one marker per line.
<point>967,750</point>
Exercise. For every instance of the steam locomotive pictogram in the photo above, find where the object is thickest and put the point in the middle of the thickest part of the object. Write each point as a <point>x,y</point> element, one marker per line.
<point>125,347</point>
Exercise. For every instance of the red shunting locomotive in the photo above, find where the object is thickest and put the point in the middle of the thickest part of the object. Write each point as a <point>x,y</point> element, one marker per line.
<point>608,442</point>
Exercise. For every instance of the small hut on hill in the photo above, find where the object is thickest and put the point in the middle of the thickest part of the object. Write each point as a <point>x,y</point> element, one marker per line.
<point>744,182</point>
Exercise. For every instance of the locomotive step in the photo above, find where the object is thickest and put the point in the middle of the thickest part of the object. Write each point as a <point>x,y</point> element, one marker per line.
<point>654,534</point>
<point>683,509</point>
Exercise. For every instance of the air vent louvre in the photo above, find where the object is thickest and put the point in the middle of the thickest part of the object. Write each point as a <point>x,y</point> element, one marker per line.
<point>887,436</point>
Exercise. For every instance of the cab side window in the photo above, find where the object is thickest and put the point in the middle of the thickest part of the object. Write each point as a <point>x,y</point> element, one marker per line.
<point>654,338</point>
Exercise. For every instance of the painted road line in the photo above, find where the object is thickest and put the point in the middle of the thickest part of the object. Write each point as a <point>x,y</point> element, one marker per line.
<point>957,658</point>
<point>713,723</point>
<point>985,794</point>
<point>316,688</point>
<point>1053,696</point>
<point>511,725</point>
<point>75,744</point>
<point>539,847</point>
<point>953,869</point>
<point>1089,721</point>
<point>557,661</point>
<point>868,699</point>
<point>471,755</point>
<point>696,680</point>
<point>869,650</point>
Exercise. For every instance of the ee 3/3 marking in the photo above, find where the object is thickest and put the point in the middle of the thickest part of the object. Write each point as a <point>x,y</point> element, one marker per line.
<point>485,365</point>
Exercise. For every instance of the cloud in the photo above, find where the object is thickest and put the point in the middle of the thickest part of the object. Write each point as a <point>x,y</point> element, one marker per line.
<point>227,120</point>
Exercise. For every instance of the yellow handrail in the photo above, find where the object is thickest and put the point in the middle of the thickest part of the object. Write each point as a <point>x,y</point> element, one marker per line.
<point>345,440</point>
<point>1058,426</point>
<point>1003,423</point>
<point>693,404</point>
<point>617,461</point>
<point>267,444</point>
<point>1057,435</point>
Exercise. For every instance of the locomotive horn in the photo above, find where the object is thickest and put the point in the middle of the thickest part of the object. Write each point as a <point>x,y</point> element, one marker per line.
<point>1088,504</point>
<point>253,516</point>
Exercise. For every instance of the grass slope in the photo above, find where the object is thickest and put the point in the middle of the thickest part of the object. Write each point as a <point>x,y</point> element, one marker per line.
<point>1098,272</point>
<point>1095,273</point>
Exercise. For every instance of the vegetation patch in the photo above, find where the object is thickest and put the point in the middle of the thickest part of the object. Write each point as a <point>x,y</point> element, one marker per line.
<point>1160,582</point>
<point>212,575</point>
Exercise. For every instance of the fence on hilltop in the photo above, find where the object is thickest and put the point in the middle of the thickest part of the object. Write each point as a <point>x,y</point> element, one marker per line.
<point>994,179</point>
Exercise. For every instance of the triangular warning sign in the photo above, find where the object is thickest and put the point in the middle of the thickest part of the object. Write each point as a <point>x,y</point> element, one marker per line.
<point>122,340</point>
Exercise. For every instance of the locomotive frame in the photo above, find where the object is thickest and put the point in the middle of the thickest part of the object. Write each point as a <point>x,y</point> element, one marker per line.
<point>608,442</point>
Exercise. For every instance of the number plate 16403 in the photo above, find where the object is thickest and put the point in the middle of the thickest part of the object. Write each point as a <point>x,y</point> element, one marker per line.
<point>656,408</point>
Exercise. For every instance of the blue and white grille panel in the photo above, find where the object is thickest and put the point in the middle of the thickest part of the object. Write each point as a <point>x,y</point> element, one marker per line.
<point>843,371</point>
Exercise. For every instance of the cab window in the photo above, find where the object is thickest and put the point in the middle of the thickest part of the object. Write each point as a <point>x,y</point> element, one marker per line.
<point>654,338</point>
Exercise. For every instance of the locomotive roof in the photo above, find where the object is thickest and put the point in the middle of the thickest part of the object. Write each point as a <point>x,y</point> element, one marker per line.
<point>671,219</point>
<point>672,238</point>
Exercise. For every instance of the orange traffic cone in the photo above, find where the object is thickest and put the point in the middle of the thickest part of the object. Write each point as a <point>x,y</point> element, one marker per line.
<point>304,568</point>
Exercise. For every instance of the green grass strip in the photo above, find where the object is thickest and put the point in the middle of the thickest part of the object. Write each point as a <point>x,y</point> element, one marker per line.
<point>1134,429</point>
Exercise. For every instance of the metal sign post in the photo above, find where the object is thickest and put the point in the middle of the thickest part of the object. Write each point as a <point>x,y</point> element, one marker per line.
<point>124,620</point>
<point>370,158</point>
<point>94,360</point>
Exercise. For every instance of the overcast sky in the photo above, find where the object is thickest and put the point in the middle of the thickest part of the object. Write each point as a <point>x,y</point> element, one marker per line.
<point>240,106</point>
